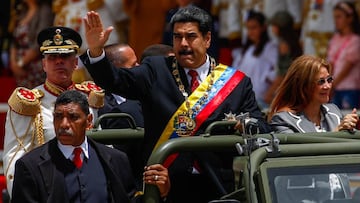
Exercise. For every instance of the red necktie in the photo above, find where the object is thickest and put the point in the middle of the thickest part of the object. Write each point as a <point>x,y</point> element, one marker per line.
<point>77,157</point>
<point>194,81</point>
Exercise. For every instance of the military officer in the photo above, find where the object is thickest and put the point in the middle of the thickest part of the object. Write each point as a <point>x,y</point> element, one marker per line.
<point>29,119</point>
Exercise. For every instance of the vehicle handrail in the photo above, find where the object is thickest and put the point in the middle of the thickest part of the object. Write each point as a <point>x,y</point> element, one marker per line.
<point>216,124</point>
<point>126,116</point>
<point>116,136</point>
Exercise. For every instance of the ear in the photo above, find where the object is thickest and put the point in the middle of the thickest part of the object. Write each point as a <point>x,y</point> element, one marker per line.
<point>43,64</point>
<point>89,124</point>
<point>208,39</point>
<point>76,62</point>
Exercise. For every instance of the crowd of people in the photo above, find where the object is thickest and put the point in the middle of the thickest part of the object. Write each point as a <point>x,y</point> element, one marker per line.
<point>261,64</point>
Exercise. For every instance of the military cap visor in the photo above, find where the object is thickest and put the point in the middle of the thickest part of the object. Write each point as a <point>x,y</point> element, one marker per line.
<point>59,40</point>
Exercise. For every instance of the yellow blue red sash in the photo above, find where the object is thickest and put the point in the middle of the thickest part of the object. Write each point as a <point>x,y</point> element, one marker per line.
<point>203,102</point>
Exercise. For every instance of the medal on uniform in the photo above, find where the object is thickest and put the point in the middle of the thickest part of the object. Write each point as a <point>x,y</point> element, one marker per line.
<point>184,124</point>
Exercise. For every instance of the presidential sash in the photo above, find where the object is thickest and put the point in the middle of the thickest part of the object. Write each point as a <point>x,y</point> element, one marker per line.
<point>201,103</point>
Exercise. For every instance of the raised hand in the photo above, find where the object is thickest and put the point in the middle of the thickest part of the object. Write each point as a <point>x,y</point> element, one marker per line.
<point>96,36</point>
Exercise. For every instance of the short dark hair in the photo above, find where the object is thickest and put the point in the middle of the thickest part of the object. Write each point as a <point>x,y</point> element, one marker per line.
<point>193,14</point>
<point>73,96</point>
<point>349,9</point>
<point>112,52</point>
<point>156,50</point>
<point>264,38</point>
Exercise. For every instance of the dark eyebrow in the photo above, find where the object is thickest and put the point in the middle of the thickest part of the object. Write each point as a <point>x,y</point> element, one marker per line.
<point>186,34</point>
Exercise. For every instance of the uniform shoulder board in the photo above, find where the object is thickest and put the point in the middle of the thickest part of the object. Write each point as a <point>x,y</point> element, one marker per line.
<point>25,101</point>
<point>96,95</point>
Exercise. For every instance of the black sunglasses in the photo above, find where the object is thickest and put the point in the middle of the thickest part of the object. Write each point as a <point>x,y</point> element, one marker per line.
<point>328,79</point>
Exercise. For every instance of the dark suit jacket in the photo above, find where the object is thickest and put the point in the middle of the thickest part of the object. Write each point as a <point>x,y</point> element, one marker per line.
<point>131,107</point>
<point>286,122</point>
<point>154,85</point>
<point>39,176</point>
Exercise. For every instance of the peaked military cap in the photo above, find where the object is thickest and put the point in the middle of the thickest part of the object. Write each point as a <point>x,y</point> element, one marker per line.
<point>59,40</point>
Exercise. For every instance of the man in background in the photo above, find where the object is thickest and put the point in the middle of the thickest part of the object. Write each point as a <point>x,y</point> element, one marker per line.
<point>122,55</point>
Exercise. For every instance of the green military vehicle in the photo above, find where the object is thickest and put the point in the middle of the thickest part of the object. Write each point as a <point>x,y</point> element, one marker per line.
<point>271,168</point>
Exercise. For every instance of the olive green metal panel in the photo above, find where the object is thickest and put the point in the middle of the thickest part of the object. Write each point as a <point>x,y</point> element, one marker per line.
<point>116,136</point>
<point>303,161</point>
<point>329,145</point>
<point>300,155</point>
<point>198,143</point>
<point>333,144</point>
<point>125,116</point>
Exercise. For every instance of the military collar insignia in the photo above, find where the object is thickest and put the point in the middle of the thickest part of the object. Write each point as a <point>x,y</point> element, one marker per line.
<point>54,89</point>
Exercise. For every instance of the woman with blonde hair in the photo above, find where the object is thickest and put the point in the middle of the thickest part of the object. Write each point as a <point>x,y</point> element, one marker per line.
<point>301,102</point>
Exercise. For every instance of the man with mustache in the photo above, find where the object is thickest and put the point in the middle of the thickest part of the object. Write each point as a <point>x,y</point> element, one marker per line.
<point>180,96</point>
<point>29,119</point>
<point>72,167</point>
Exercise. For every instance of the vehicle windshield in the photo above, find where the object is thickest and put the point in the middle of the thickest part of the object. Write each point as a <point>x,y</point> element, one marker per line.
<point>315,184</point>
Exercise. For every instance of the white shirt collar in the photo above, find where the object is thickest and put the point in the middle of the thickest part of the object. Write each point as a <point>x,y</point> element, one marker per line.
<point>202,71</point>
<point>119,99</point>
<point>67,150</point>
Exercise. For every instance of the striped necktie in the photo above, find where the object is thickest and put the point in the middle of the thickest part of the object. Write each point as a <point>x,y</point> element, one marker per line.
<point>194,81</point>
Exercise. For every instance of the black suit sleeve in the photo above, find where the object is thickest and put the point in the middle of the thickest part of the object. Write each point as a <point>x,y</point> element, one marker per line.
<point>24,187</point>
<point>132,83</point>
<point>279,125</point>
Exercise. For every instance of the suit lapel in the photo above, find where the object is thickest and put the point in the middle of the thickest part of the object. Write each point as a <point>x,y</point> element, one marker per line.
<point>304,124</point>
<point>50,170</point>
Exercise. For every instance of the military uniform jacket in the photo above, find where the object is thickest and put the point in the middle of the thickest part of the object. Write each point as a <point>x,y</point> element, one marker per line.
<point>21,132</point>
<point>39,174</point>
<point>153,84</point>
<point>286,122</point>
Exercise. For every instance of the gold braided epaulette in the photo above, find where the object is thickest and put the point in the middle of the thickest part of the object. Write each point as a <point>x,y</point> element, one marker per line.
<point>25,101</point>
<point>96,95</point>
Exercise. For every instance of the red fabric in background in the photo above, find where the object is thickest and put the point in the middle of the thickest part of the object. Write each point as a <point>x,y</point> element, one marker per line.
<point>225,56</point>
<point>2,187</point>
<point>7,86</point>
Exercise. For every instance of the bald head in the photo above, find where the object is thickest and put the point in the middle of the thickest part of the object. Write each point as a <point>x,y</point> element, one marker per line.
<point>121,55</point>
